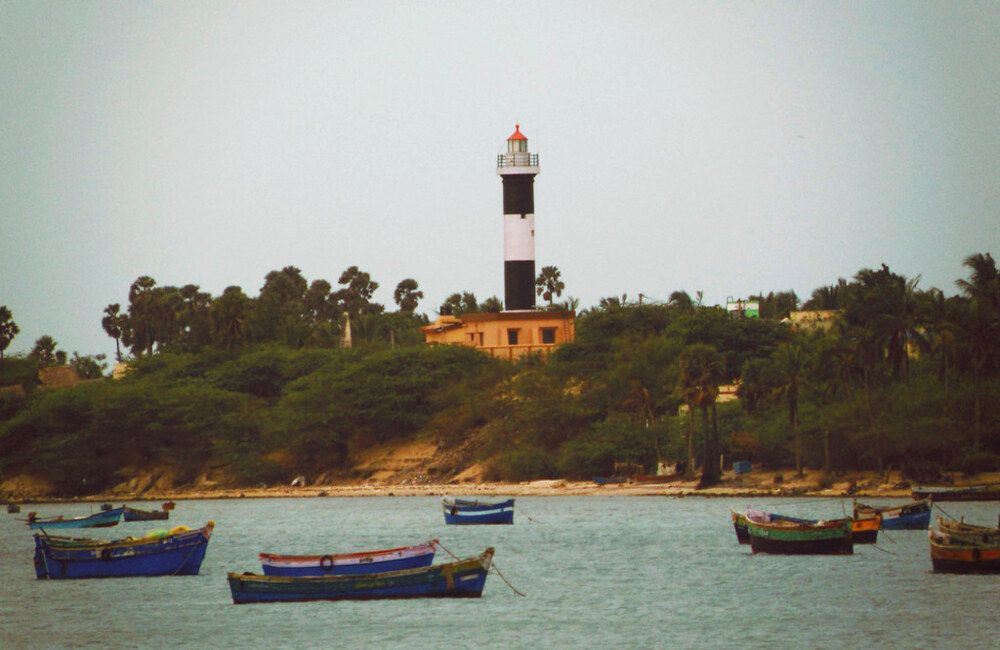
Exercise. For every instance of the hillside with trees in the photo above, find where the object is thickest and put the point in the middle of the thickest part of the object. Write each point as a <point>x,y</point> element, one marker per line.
<point>260,390</point>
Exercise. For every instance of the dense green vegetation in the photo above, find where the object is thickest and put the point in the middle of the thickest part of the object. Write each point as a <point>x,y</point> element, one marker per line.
<point>905,378</point>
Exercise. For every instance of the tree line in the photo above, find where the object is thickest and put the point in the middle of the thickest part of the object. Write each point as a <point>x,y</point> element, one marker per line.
<point>905,378</point>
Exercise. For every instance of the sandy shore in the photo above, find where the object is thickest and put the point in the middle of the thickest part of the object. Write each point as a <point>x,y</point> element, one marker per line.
<point>756,485</point>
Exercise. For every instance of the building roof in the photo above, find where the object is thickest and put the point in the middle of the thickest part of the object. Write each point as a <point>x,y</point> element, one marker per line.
<point>517,133</point>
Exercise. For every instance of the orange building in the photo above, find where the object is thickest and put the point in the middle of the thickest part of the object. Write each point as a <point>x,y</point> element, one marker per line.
<point>505,335</point>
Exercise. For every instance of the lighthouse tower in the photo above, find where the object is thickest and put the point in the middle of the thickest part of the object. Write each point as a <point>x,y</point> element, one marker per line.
<point>518,168</point>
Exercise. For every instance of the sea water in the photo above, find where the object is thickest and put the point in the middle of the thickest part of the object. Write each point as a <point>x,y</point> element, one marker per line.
<point>596,571</point>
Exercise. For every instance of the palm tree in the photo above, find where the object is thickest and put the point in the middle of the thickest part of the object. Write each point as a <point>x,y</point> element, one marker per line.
<point>407,295</point>
<point>981,326</point>
<point>114,323</point>
<point>45,351</point>
<point>549,283</point>
<point>792,363</point>
<point>8,328</point>
<point>701,372</point>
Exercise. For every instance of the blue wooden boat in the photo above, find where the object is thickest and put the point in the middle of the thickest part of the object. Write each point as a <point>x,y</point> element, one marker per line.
<point>472,510</point>
<point>102,519</point>
<point>915,515</point>
<point>460,579</point>
<point>177,552</point>
<point>392,559</point>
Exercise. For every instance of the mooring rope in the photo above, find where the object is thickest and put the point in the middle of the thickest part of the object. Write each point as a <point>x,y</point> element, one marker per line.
<point>506,581</point>
<point>493,567</point>
<point>943,511</point>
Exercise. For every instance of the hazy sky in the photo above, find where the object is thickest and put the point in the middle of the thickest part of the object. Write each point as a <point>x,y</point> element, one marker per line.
<point>724,147</point>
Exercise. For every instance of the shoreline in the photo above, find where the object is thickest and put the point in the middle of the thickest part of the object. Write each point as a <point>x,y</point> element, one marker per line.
<point>547,488</point>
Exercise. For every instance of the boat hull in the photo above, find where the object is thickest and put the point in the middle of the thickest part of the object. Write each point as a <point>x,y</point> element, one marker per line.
<point>972,493</point>
<point>396,559</point>
<point>133,514</point>
<point>103,519</point>
<point>828,539</point>
<point>965,558</point>
<point>865,531</point>
<point>463,512</point>
<point>908,516</point>
<point>182,553</point>
<point>461,579</point>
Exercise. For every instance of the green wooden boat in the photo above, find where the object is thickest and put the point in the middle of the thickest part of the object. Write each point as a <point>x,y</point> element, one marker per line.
<point>793,538</point>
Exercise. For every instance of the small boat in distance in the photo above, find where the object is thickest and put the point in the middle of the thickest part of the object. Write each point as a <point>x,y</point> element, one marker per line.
<point>864,530</point>
<point>103,519</point>
<point>967,493</point>
<point>393,559</point>
<point>791,538</point>
<point>13,508</point>
<point>475,510</point>
<point>460,579</point>
<point>915,515</point>
<point>179,551</point>
<point>136,514</point>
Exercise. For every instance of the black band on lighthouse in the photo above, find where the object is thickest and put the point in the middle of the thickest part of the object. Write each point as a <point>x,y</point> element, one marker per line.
<point>519,194</point>
<point>519,284</point>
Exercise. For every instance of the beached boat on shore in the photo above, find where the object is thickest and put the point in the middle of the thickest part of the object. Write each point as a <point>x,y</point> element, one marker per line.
<point>791,538</point>
<point>476,510</point>
<point>915,515</point>
<point>460,579</point>
<point>103,519</point>
<point>967,493</point>
<point>392,559</point>
<point>179,551</point>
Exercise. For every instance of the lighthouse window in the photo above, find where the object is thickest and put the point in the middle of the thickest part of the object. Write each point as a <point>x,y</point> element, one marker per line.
<point>549,335</point>
<point>512,336</point>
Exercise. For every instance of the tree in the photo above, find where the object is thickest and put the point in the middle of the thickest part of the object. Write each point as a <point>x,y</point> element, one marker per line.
<point>45,352</point>
<point>228,317</point>
<point>492,305</point>
<point>115,324</point>
<point>462,303</point>
<point>549,283</point>
<point>407,295</point>
<point>701,370</point>
<point>356,296</point>
<point>981,327</point>
<point>681,300</point>
<point>8,328</point>
<point>792,362</point>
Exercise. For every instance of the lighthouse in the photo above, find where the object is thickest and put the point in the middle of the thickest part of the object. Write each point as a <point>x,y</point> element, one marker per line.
<point>517,169</point>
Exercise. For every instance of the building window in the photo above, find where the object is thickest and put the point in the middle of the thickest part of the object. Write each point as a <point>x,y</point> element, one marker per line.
<point>548,335</point>
<point>512,336</point>
<point>480,339</point>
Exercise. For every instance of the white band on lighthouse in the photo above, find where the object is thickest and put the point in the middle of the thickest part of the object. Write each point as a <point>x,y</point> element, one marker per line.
<point>518,237</point>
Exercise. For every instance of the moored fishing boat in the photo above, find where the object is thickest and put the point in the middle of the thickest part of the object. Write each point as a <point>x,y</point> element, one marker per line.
<point>393,559</point>
<point>137,514</point>
<point>791,538</point>
<point>460,579</point>
<point>179,551</point>
<point>103,519</point>
<point>474,510</point>
<point>863,530</point>
<point>915,515</point>
<point>964,548</point>
<point>969,532</point>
